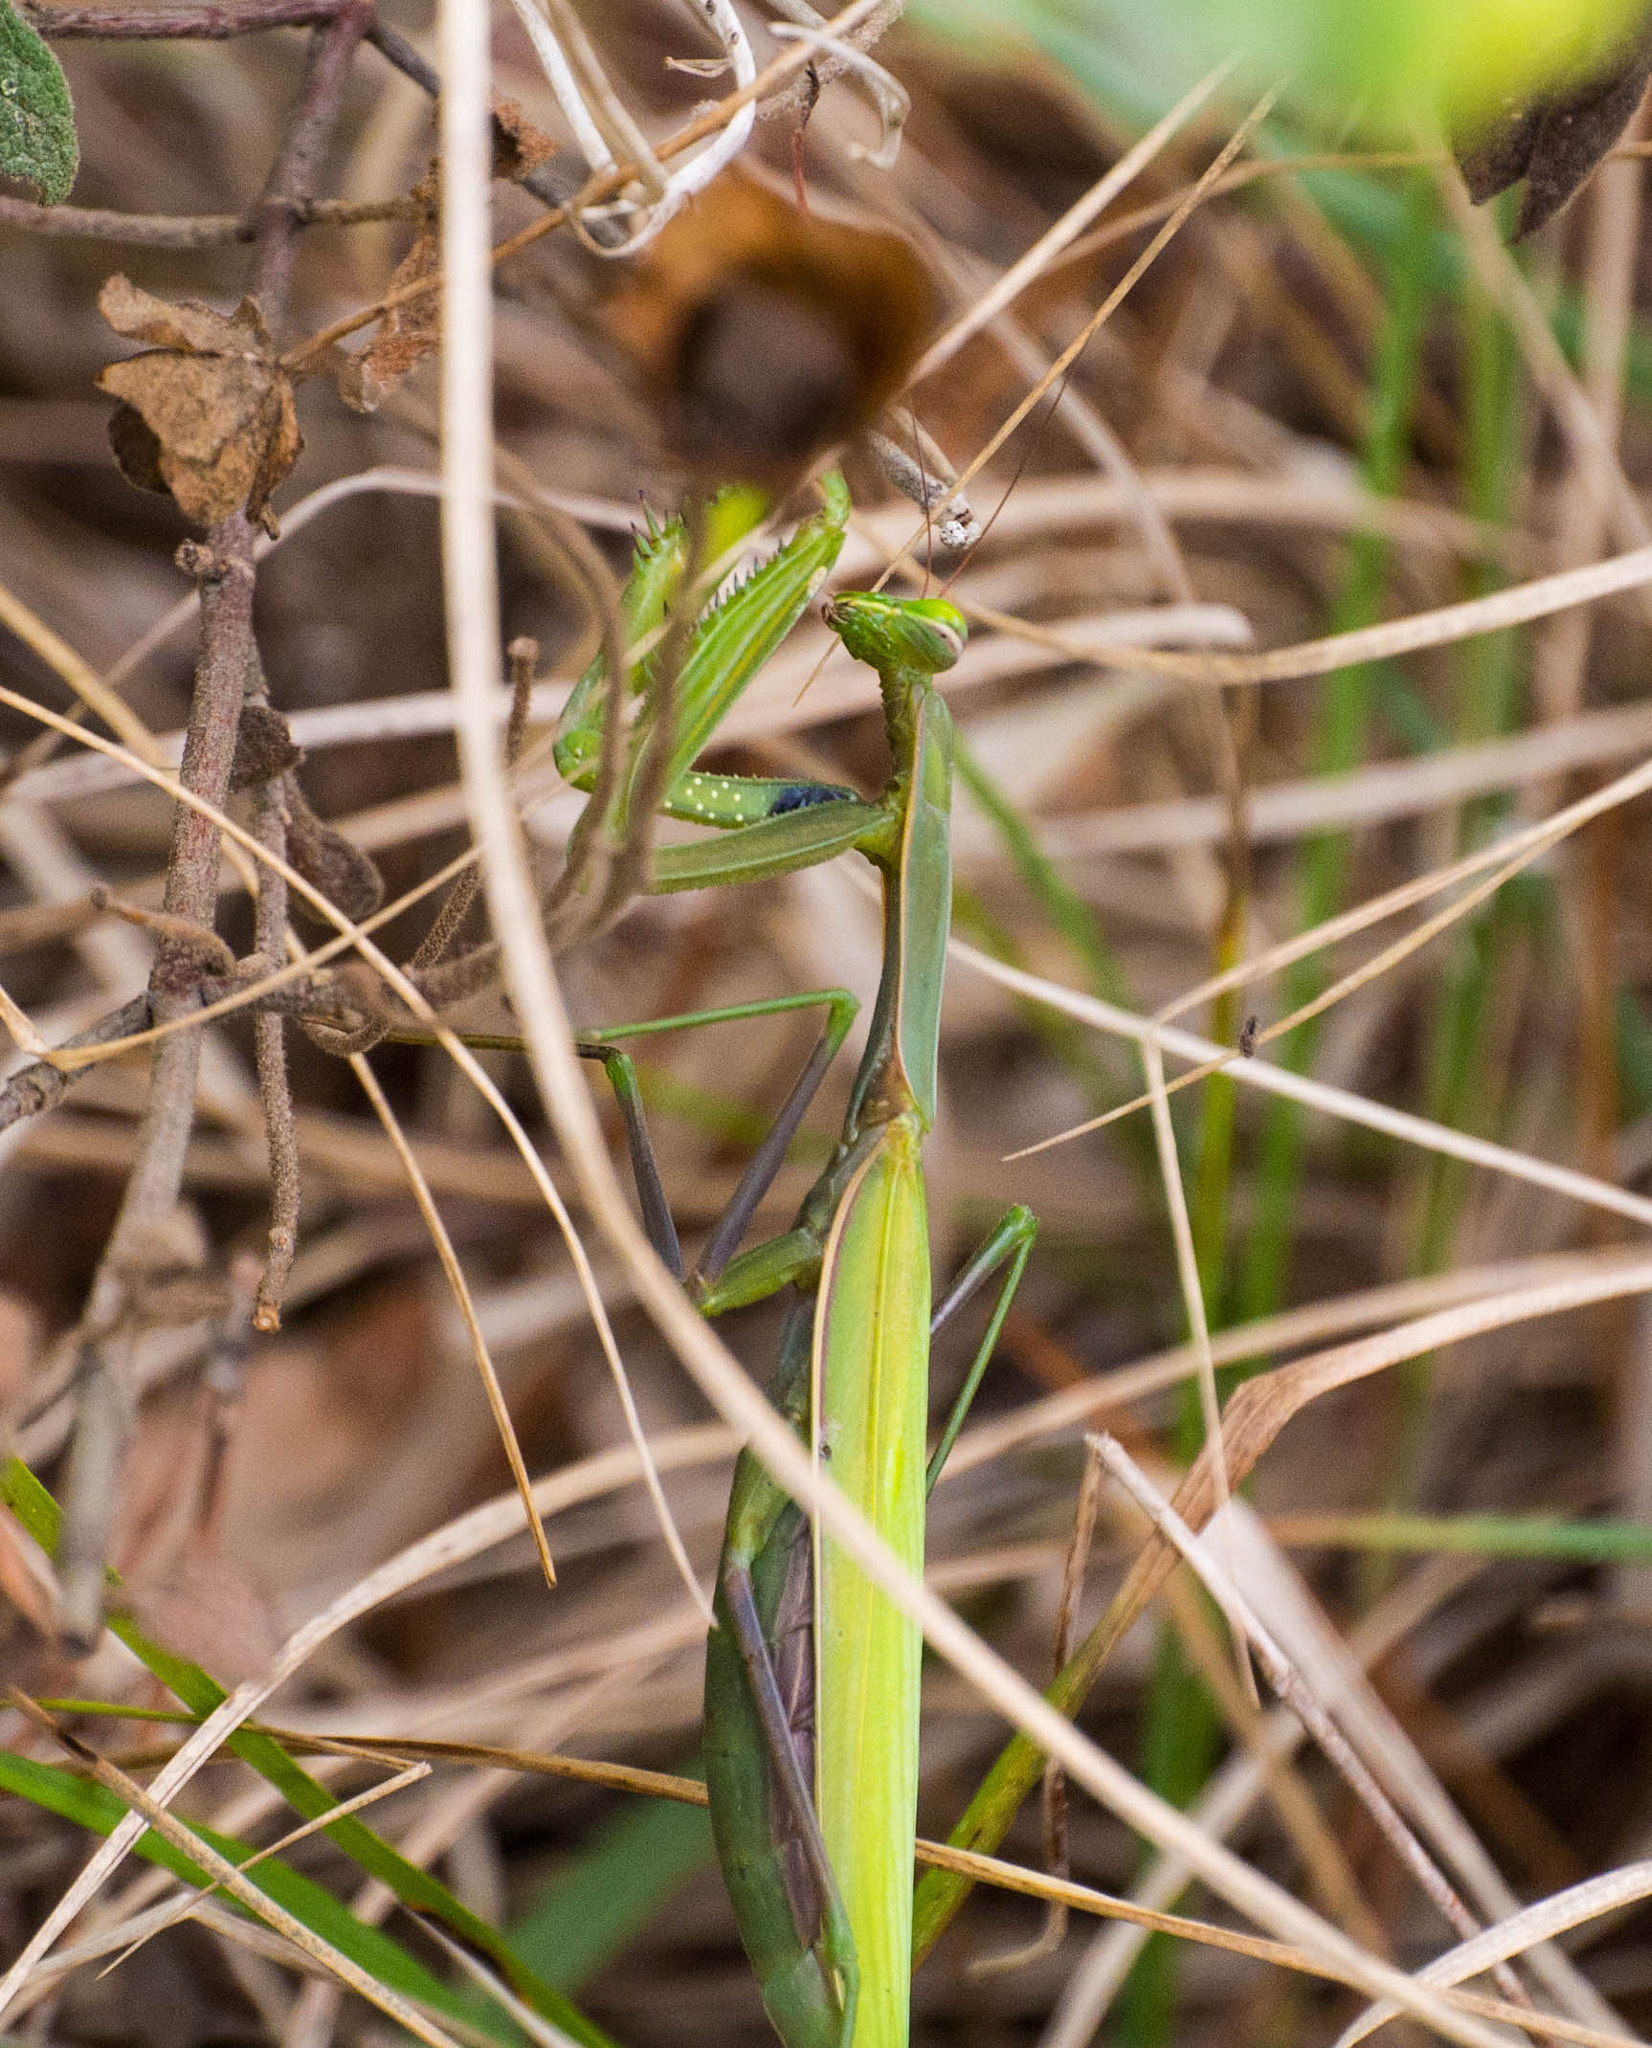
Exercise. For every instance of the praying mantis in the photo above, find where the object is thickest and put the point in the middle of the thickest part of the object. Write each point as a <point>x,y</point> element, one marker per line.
<point>812,1673</point>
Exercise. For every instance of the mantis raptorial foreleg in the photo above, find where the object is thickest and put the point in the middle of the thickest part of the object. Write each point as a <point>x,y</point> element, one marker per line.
<point>726,648</point>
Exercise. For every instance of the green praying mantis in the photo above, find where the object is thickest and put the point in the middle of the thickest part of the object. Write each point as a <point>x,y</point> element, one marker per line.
<point>812,1673</point>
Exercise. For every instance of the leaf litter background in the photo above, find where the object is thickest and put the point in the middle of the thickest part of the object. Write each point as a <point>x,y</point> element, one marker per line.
<point>1298,341</point>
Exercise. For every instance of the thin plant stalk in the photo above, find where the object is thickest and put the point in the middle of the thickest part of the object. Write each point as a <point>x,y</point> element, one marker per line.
<point>1339,745</point>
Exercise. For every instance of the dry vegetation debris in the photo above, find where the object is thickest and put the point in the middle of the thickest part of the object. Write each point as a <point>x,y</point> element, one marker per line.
<point>1328,405</point>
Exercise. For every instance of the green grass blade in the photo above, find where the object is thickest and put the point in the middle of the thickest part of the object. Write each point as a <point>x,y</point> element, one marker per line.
<point>35,1508</point>
<point>100,1811</point>
<point>1339,746</point>
<point>1559,1542</point>
<point>611,1890</point>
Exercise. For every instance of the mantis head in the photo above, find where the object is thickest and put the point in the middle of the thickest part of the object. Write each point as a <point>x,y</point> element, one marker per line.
<point>923,633</point>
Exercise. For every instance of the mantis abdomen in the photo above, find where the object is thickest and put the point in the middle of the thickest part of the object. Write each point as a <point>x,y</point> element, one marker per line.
<point>871,1339</point>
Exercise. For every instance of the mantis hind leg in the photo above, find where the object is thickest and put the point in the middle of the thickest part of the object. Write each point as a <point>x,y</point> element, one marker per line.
<point>1008,1247</point>
<point>759,1744</point>
<point>769,1842</point>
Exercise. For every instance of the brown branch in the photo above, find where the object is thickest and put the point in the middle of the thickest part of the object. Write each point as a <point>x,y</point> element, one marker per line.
<point>186,231</point>
<point>37,1087</point>
<point>293,174</point>
<point>265,768</point>
<point>219,24</point>
<point>104,1409</point>
<point>225,673</point>
<point>163,24</point>
<point>270,1053</point>
<point>41,1085</point>
<point>594,191</point>
<point>224,570</point>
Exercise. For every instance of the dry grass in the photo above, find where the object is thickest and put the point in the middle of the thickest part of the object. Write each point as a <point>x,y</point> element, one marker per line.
<point>1168,576</point>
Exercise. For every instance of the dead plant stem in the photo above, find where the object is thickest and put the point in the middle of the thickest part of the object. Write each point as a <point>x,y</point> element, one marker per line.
<point>225,572</point>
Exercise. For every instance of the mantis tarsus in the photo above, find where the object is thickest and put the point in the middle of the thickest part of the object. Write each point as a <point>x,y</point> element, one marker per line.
<point>812,1675</point>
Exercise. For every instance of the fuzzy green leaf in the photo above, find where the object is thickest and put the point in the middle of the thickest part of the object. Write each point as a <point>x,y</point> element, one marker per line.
<point>37,120</point>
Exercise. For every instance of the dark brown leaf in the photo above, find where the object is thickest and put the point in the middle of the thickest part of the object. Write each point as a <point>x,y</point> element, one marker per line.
<point>770,334</point>
<point>264,748</point>
<point>329,862</point>
<point>187,326</point>
<point>519,148</point>
<point>406,334</point>
<point>137,449</point>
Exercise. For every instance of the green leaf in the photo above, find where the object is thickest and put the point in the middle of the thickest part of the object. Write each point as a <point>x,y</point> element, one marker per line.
<point>98,1810</point>
<point>38,1512</point>
<point>37,120</point>
<point>614,1888</point>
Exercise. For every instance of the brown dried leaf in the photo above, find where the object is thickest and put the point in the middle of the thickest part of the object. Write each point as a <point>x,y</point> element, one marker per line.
<point>365,381</point>
<point>137,449</point>
<point>207,414</point>
<point>406,334</point>
<point>264,748</point>
<point>325,858</point>
<point>768,334</point>
<point>188,326</point>
<point>519,148</point>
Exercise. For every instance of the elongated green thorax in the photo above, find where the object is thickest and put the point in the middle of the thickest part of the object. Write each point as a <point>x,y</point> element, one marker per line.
<point>871,1359</point>
<point>899,1071</point>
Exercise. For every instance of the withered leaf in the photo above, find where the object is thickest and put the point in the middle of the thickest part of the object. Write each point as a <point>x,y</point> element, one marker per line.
<point>264,748</point>
<point>406,334</point>
<point>206,413</point>
<point>187,326</point>
<point>519,148</point>
<point>1556,141</point>
<point>137,449</point>
<point>329,862</point>
<point>765,333</point>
